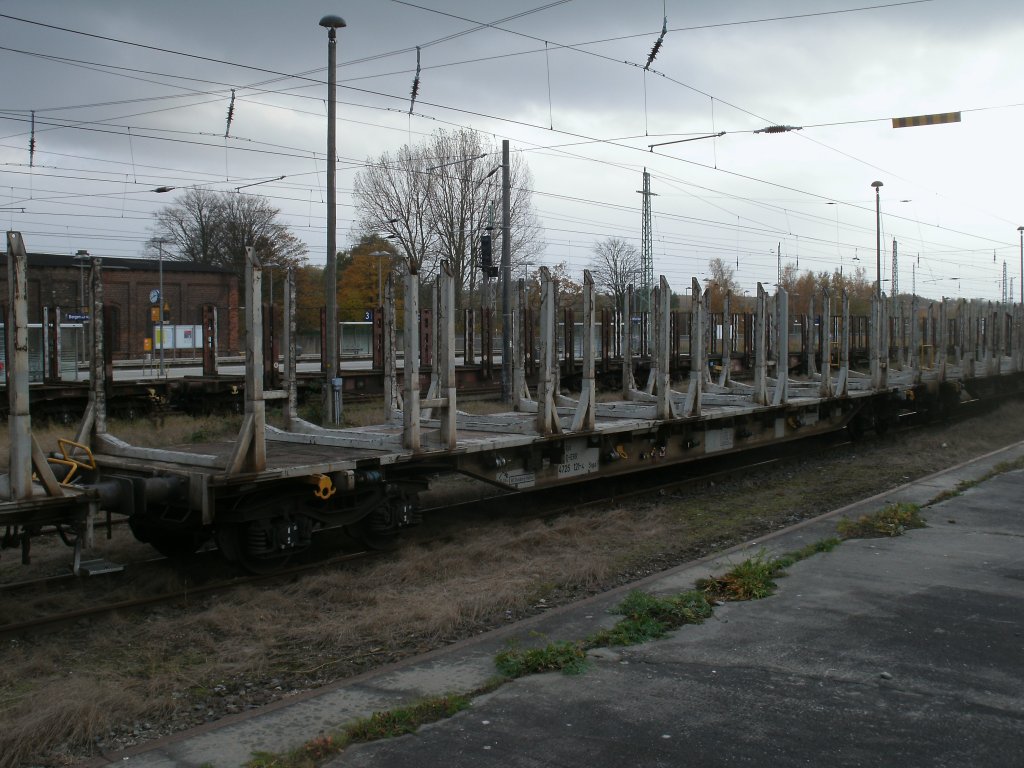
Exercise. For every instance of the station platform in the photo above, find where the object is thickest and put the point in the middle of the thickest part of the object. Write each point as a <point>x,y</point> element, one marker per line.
<point>906,651</point>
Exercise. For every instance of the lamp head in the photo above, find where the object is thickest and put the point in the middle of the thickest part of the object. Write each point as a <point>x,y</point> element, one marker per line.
<point>876,185</point>
<point>332,22</point>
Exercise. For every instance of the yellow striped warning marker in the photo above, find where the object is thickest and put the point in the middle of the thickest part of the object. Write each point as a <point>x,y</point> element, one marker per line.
<point>911,122</point>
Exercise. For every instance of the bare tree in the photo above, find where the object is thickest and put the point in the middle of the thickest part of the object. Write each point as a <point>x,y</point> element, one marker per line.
<point>250,220</point>
<point>213,229</point>
<point>436,200</point>
<point>615,266</point>
<point>190,227</point>
<point>392,195</point>
<point>457,202</point>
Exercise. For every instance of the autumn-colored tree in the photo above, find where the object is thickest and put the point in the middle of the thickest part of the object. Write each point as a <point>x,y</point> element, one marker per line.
<point>721,280</point>
<point>568,290</point>
<point>801,286</point>
<point>310,297</point>
<point>860,290</point>
<point>362,274</point>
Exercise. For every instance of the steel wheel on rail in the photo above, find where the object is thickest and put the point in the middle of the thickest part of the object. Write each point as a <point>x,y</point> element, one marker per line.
<point>379,529</point>
<point>262,533</point>
<point>235,541</point>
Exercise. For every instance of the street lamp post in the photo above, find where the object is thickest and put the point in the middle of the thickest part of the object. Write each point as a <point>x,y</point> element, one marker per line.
<point>332,24</point>
<point>878,239</point>
<point>81,257</point>
<point>1021,230</point>
<point>380,295</point>
<point>506,275</point>
<point>160,307</point>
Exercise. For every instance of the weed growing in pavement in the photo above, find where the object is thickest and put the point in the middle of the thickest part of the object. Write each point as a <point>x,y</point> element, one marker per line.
<point>814,548</point>
<point>647,617</point>
<point>892,520</point>
<point>752,579</point>
<point>999,469</point>
<point>564,656</point>
<point>379,725</point>
<point>386,725</point>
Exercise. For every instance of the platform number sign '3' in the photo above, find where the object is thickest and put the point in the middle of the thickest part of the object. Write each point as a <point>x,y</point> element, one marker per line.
<point>368,315</point>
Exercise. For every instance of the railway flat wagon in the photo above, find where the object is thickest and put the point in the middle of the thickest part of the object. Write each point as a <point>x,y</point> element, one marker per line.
<point>263,495</point>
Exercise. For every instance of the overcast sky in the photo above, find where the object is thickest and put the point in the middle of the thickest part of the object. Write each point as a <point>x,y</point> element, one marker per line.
<point>130,95</point>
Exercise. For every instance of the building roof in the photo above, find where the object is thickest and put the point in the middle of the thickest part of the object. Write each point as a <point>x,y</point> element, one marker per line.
<point>140,265</point>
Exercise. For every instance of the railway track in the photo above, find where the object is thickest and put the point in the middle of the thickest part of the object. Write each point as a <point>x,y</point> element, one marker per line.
<point>565,501</point>
<point>62,619</point>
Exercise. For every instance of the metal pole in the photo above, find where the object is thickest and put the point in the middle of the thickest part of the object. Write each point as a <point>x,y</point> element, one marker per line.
<point>80,257</point>
<point>160,308</point>
<point>878,239</point>
<point>332,23</point>
<point>506,276</point>
<point>1021,230</point>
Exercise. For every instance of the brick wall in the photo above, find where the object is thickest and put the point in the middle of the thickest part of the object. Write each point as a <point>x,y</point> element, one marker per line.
<point>57,281</point>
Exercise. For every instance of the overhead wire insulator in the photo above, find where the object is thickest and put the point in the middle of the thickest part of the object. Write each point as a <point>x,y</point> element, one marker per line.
<point>657,44</point>
<point>231,114</point>
<point>779,129</point>
<point>415,82</point>
<point>32,142</point>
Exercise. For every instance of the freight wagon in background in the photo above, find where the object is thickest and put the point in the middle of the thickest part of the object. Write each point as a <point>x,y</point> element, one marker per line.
<point>263,495</point>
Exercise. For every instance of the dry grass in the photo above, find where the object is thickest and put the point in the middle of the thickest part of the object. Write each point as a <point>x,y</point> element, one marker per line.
<point>71,697</point>
<point>258,643</point>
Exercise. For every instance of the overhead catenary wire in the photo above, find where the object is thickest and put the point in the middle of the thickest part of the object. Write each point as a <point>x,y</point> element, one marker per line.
<point>793,189</point>
<point>442,107</point>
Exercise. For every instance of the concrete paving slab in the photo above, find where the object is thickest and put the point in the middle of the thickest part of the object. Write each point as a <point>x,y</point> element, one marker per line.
<point>903,652</point>
<point>907,650</point>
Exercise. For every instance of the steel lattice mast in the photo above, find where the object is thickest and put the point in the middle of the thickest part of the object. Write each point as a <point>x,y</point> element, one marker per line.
<point>895,271</point>
<point>646,249</point>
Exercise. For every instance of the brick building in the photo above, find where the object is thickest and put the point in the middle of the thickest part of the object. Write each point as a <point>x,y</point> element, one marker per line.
<point>130,288</point>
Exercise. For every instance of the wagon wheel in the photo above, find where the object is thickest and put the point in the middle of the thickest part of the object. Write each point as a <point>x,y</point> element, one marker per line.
<point>379,529</point>
<point>235,541</point>
<point>376,531</point>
